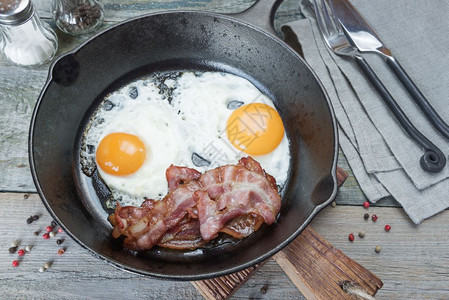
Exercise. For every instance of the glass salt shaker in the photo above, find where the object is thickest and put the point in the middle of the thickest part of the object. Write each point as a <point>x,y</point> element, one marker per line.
<point>77,17</point>
<point>24,38</point>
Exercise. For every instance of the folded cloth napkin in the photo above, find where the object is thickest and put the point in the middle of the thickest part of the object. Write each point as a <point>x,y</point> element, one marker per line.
<point>383,158</point>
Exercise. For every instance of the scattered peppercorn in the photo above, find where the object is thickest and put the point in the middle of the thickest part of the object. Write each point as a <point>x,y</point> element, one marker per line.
<point>41,269</point>
<point>374,218</point>
<point>25,196</point>
<point>61,251</point>
<point>30,220</point>
<point>36,232</point>
<point>264,289</point>
<point>377,249</point>
<point>12,250</point>
<point>366,216</point>
<point>53,223</point>
<point>15,263</point>
<point>47,265</point>
<point>333,203</point>
<point>59,241</point>
<point>362,234</point>
<point>48,228</point>
<point>51,234</point>
<point>351,237</point>
<point>35,217</point>
<point>28,248</point>
<point>21,252</point>
<point>366,204</point>
<point>46,236</point>
<point>60,230</point>
<point>387,227</point>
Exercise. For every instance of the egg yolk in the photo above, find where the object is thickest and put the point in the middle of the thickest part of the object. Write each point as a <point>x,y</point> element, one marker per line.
<point>255,128</point>
<point>120,153</point>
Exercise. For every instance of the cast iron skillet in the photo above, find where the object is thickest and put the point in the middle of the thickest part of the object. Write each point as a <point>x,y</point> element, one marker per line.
<point>182,40</point>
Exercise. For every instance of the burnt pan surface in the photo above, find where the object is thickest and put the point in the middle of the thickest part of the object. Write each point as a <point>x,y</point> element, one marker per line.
<point>180,41</point>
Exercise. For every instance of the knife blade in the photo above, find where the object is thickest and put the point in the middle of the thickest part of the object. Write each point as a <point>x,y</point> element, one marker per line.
<point>362,36</point>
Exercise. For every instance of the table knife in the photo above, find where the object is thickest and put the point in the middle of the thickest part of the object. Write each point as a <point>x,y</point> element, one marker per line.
<point>362,36</point>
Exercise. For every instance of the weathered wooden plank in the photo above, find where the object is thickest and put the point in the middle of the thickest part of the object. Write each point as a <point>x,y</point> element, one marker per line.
<point>124,9</point>
<point>414,259</point>
<point>78,275</point>
<point>223,287</point>
<point>413,262</point>
<point>319,270</point>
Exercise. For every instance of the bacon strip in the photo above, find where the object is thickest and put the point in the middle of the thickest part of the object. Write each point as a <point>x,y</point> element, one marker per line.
<point>180,175</point>
<point>231,191</point>
<point>243,226</point>
<point>185,235</point>
<point>144,227</point>
<point>234,199</point>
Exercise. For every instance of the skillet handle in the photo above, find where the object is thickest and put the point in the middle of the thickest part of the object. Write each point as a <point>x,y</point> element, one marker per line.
<point>261,14</point>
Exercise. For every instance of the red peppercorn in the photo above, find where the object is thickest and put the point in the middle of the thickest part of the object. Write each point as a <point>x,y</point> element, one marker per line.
<point>21,252</point>
<point>60,230</point>
<point>387,227</point>
<point>49,229</point>
<point>366,204</point>
<point>351,237</point>
<point>46,236</point>
<point>61,251</point>
<point>15,263</point>
<point>374,218</point>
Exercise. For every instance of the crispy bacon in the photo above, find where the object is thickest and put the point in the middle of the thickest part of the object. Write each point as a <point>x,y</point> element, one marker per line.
<point>243,226</point>
<point>180,175</point>
<point>144,227</point>
<point>231,191</point>
<point>234,199</point>
<point>185,235</point>
<point>252,165</point>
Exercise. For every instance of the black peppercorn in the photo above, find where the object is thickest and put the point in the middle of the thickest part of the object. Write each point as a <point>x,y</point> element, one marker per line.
<point>30,220</point>
<point>36,233</point>
<point>53,223</point>
<point>59,241</point>
<point>35,217</point>
<point>366,216</point>
<point>12,250</point>
<point>80,18</point>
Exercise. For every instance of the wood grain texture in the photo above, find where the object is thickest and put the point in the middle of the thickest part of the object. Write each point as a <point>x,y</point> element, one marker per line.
<point>120,10</point>
<point>413,263</point>
<point>223,287</point>
<point>318,269</point>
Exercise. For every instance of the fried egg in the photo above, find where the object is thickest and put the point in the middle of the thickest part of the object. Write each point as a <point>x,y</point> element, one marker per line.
<point>199,120</point>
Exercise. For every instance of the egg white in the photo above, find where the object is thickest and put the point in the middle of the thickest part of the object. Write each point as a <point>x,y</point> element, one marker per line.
<point>177,117</point>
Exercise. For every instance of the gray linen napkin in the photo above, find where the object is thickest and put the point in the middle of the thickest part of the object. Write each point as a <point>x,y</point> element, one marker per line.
<point>383,158</point>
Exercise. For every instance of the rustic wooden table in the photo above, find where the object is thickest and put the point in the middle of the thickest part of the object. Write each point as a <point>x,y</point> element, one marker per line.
<point>413,263</point>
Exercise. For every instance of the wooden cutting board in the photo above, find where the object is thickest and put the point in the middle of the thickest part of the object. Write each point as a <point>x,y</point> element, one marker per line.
<point>318,269</point>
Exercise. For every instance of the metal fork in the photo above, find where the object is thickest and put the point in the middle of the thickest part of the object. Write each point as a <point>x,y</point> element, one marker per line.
<point>433,160</point>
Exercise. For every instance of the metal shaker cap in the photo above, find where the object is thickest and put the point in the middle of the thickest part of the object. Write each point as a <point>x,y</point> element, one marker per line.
<point>15,12</point>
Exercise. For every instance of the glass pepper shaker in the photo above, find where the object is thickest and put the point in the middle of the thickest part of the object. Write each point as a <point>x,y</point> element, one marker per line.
<point>24,38</point>
<point>77,17</point>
